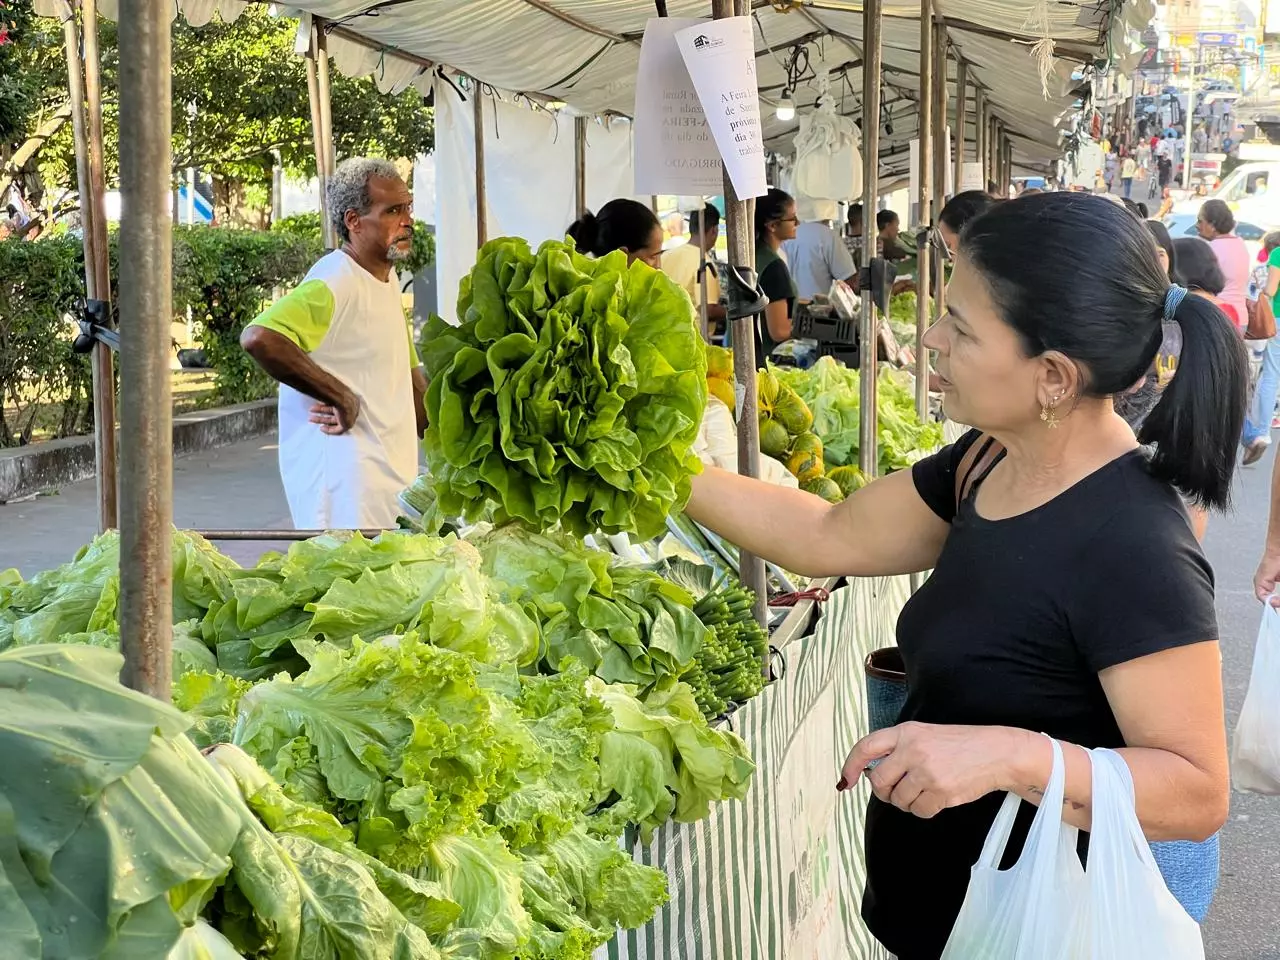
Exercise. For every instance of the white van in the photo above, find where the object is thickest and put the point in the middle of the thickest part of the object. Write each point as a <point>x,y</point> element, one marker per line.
<point>1251,190</point>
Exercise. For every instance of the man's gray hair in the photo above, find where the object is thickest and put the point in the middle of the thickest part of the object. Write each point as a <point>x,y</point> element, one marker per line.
<point>349,188</point>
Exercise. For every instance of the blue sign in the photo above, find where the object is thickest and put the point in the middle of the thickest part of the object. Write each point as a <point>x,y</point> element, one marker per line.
<point>1219,40</point>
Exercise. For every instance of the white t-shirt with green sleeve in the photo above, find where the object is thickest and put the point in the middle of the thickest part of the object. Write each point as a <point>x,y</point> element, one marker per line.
<point>353,326</point>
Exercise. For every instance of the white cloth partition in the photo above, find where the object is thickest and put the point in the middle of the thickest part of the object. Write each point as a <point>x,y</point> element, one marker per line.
<point>529,177</point>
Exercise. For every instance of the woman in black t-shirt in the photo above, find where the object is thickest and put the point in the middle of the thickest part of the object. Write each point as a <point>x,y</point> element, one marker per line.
<point>1068,594</point>
<point>776,221</point>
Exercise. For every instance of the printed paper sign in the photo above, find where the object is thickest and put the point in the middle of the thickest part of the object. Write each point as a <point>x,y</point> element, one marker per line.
<point>675,152</point>
<point>721,59</point>
<point>971,177</point>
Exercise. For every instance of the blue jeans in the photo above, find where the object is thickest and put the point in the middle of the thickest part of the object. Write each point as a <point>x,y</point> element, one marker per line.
<point>1128,187</point>
<point>1257,424</point>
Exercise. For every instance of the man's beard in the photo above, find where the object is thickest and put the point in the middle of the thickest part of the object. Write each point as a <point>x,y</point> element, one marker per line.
<point>396,252</point>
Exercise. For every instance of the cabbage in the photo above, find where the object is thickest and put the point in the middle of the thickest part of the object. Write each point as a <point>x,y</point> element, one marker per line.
<point>572,392</point>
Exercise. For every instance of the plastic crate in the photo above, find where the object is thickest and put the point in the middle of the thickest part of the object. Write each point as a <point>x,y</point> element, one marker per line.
<point>826,329</point>
<point>846,353</point>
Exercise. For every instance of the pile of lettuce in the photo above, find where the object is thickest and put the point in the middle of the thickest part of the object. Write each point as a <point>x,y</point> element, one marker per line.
<point>625,622</point>
<point>831,391</point>
<point>571,393</point>
<point>141,849</point>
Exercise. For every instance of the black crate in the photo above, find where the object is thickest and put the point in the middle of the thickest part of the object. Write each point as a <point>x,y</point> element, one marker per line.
<point>825,329</point>
<point>846,353</point>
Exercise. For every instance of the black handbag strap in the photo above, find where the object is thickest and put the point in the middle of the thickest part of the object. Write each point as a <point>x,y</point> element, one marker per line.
<point>978,461</point>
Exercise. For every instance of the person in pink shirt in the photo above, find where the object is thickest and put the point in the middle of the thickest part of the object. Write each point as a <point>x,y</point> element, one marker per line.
<point>1217,224</point>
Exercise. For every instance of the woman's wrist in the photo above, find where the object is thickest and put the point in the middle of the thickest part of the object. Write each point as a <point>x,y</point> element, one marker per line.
<point>1028,760</point>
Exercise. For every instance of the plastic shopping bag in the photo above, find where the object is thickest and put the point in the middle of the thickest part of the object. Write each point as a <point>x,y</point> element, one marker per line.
<point>1127,913</point>
<point>1255,751</point>
<point>1022,913</point>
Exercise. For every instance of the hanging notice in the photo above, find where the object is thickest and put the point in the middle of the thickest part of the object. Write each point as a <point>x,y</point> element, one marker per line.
<point>720,56</point>
<point>675,152</point>
<point>971,177</point>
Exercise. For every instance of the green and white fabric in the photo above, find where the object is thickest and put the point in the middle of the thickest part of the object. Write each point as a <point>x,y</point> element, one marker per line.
<point>353,326</point>
<point>780,875</point>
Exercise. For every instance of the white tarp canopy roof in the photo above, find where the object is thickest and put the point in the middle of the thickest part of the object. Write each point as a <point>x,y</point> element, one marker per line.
<point>585,53</point>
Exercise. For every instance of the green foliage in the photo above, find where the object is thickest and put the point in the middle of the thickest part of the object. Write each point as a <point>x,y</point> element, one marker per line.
<point>248,90</point>
<point>40,285</point>
<point>225,277</point>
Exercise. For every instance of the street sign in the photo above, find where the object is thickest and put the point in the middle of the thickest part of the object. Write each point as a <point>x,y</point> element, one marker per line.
<point>1219,39</point>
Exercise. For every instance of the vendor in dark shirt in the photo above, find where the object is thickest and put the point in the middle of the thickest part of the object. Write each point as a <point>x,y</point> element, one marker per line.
<point>1069,596</point>
<point>776,221</point>
<point>888,225</point>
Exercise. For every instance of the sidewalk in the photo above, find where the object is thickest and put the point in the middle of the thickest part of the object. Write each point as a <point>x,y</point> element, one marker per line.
<point>236,486</point>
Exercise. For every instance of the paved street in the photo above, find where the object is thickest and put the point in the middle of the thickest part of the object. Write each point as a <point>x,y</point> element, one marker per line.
<point>238,486</point>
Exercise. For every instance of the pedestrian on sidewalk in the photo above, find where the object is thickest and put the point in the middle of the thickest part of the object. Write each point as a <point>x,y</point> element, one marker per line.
<point>1217,224</point>
<point>1260,419</point>
<point>351,388</point>
<point>1128,170</point>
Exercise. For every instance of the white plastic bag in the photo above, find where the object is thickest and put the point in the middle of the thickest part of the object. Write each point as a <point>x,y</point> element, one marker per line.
<point>1022,913</point>
<point>1255,751</point>
<point>1127,913</point>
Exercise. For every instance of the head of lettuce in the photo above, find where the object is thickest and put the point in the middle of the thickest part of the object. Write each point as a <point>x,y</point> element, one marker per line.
<point>570,393</point>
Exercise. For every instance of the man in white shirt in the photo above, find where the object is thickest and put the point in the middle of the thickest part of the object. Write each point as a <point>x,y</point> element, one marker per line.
<point>351,388</point>
<point>816,258</point>
<point>683,262</point>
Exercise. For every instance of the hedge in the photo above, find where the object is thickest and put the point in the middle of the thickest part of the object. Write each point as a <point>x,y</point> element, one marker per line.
<point>223,276</point>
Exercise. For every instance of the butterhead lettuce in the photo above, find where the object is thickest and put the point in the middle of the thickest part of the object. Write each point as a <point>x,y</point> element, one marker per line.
<point>571,393</point>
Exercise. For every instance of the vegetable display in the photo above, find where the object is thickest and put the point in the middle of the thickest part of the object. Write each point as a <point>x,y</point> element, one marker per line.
<point>830,390</point>
<point>420,794</point>
<point>571,392</point>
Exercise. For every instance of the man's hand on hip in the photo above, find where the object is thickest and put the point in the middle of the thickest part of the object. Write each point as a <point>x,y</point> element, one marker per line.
<point>337,418</point>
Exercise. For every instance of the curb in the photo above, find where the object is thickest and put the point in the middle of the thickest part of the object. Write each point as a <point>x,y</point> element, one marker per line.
<point>26,471</point>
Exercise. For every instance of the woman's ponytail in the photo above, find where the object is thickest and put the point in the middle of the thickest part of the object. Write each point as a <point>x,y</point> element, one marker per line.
<point>1196,426</point>
<point>585,233</point>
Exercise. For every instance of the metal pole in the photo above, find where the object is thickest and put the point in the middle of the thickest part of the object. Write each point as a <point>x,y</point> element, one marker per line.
<point>962,107</point>
<point>325,115</point>
<point>940,168</point>
<point>580,164</point>
<point>980,131</point>
<point>482,197</point>
<point>924,255</point>
<point>317,142</point>
<point>104,414</point>
<point>868,323</point>
<point>146,310</point>
<point>738,215</point>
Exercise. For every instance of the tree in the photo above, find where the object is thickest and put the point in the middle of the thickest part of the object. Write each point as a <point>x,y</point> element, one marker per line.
<point>239,97</point>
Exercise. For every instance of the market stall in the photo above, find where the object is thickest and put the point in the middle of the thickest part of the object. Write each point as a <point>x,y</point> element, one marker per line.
<point>791,847</point>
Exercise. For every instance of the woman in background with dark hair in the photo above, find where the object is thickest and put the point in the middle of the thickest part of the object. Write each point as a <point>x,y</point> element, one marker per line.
<point>1164,248</point>
<point>1217,224</point>
<point>1199,269</point>
<point>621,224</point>
<point>776,221</point>
<point>1069,597</point>
<point>959,211</point>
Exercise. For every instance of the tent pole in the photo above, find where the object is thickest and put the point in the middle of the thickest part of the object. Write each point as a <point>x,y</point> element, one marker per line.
<point>738,215</point>
<point>104,377</point>
<point>580,164</point>
<point>980,131</point>
<point>924,178</point>
<point>868,322</point>
<point>940,168</point>
<point>482,196</point>
<point>325,103</point>
<point>317,141</point>
<point>104,419</point>
<point>962,107</point>
<point>146,301</point>
<point>940,144</point>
